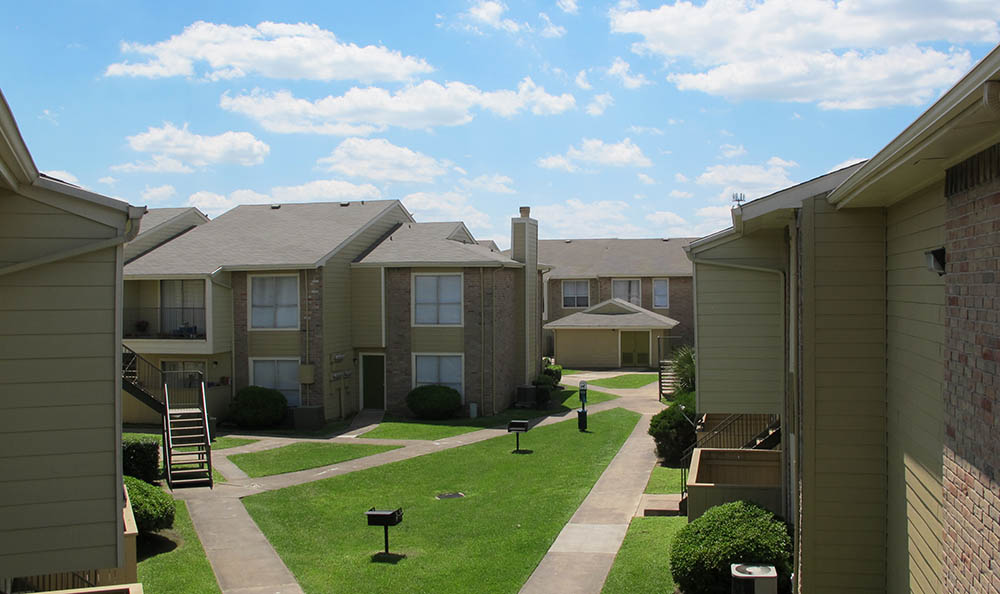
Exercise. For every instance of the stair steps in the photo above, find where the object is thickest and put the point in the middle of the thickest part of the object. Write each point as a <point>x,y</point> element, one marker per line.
<point>190,451</point>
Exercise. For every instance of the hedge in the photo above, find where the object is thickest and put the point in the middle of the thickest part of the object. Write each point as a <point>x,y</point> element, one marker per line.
<point>141,456</point>
<point>152,506</point>
<point>673,428</point>
<point>257,407</point>
<point>434,402</point>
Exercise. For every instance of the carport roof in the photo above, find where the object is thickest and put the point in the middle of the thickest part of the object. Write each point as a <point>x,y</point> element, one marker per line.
<point>613,314</point>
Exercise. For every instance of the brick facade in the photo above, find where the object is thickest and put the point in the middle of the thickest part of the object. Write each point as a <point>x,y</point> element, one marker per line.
<point>971,505</point>
<point>398,348</point>
<point>311,312</point>
<point>241,346</point>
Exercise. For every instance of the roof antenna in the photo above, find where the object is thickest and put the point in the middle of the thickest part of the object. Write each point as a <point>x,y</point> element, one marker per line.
<point>739,198</point>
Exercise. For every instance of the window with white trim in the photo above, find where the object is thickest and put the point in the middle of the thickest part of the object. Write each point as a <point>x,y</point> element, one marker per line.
<point>437,299</point>
<point>279,374</point>
<point>274,302</point>
<point>576,293</point>
<point>661,292</point>
<point>627,290</point>
<point>441,370</point>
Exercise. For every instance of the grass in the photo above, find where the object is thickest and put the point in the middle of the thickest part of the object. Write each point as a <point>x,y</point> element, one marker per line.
<point>404,428</point>
<point>225,442</point>
<point>327,430</point>
<point>664,480</point>
<point>301,456</point>
<point>217,476</point>
<point>627,381</point>
<point>571,371</point>
<point>642,565</point>
<point>173,560</point>
<point>489,541</point>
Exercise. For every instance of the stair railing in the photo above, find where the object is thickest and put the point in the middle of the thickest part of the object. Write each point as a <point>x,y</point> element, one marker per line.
<point>736,431</point>
<point>142,373</point>
<point>208,436</point>
<point>167,437</point>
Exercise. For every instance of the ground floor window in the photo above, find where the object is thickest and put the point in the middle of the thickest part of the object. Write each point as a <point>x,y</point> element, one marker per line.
<point>280,374</point>
<point>443,370</point>
<point>186,374</point>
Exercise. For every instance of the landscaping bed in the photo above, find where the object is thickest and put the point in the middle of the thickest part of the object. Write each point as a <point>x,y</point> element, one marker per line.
<point>302,456</point>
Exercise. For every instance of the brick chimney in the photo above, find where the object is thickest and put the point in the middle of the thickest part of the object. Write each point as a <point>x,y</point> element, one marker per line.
<point>524,249</point>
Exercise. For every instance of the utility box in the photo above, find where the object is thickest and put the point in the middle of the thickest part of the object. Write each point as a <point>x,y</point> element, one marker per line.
<point>754,579</point>
<point>307,373</point>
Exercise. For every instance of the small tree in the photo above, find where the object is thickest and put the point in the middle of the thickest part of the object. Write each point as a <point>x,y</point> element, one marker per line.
<point>682,364</point>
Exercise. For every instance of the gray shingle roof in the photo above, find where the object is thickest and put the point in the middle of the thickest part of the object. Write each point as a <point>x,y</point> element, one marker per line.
<point>157,216</point>
<point>256,236</point>
<point>427,244</point>
<point>589,258</point>
<point>613,313</point>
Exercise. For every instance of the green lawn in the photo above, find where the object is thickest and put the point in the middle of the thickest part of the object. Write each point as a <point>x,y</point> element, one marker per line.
<point>571,371</point>
<point>217,476</point>
<point>643,562</point>
<point>664,480</point>
<point>489,541</point>
<point>404,428</point>
<point>226,442</point>
<point>173,561</point>
<point>627,381</point>
<point>300,456</point>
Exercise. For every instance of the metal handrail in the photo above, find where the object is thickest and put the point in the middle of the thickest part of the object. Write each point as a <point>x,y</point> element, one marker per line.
<point>208,436</point>
<point>167,437</point>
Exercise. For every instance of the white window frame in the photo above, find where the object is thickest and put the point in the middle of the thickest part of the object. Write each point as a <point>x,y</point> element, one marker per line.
<point>637,280</point>
<point>298,360</point>
<point>576,280</point>
<point>461,299</point>
<point>413,368</point>
<point>655,306</point>
<point>298,303</point>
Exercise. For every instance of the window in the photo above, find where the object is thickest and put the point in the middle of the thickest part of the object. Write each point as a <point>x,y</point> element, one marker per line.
<point>437,300</point>
<point>627,290</point>
<point>576,293</point>
<point>280,374</point>
<point>274,302</point>
<point>182,307</point>
<point>661,292</point>
<point>442,370</point>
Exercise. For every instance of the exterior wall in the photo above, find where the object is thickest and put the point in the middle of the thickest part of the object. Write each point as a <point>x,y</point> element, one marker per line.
<point>971,505</point>
<point>506,343</point>
<point>842,456</point>
<point>277,343</point>
<point>366,307</point>
<point>218,387</point>
<point>59,378</point>
<point>311,337</point>
<point>587,348</point>
<point>241,341</point>
<point>915,377</point>
<point>398,350</point>
<point>222,313</point>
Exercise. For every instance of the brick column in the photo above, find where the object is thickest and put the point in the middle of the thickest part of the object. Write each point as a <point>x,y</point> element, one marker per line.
<point>311,312</point>
<point>241,347</point>
<point>399,348</point>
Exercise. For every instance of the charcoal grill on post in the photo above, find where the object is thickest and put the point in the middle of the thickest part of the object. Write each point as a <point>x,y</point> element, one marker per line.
<point>385,518</point>
<point>517,428</point>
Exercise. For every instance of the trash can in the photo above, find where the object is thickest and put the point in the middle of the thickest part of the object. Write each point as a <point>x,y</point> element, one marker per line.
<point>754,579</point>
<point>581,419</point>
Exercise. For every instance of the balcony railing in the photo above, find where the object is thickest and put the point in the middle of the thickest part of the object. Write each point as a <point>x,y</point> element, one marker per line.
<point>182,323</point>
<point>724,475</point>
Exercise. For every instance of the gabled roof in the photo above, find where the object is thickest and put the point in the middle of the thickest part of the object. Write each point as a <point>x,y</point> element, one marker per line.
<point>263,237</point>
<point>432,244</point>
<point>591,258</point>
<point>613,314</point>
<point>489,243</point>
<point>158,216</point>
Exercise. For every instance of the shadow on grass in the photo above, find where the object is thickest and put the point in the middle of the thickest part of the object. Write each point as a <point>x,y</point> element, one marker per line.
<point>522,452</point>
<point>152,544</point>
<point>390,558</point>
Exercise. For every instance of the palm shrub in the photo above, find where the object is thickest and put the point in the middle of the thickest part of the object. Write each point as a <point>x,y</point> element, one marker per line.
<point>255,406</point>
<point>152,507</point>
<point>434,402</point>
<point>673,428</point>
<point>737,532</point>
<point>682,364</point>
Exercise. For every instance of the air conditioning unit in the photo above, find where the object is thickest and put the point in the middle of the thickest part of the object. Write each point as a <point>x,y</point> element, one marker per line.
<point>754,579</point>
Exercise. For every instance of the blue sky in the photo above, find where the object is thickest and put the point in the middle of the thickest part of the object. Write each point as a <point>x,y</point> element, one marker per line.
<point>629,119</point>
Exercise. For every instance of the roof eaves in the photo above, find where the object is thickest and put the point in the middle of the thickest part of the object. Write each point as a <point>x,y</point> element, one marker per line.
<point>362,229</point>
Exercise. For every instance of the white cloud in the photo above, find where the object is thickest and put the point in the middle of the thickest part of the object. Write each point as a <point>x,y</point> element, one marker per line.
<point>594,151</point>
<point>490,14</point>
<point>273,50</point>
<point>446,206</point>
<point>646,179</point>
<point>63,175</point>
<point>707,220</point>
<point>599,103</point>
<point>581,80</point>
<point>379,159</point>
<point>213,204</point>
<point>158,193</point>
<point>240,148</point>
<point>621,70</point>
<point>158,164</point>
<point>781,49</point>
<point>645,130</point>
<point>49,116</point>
<point>731,150</point>
<point>674,122</point>
<point>550,29</point>
<point>680,194</point>
<point>753,180</point>
<point>108,180</point>
<point>680,177</point>
<point>363,111</point>
<point>665,217</point>
<point>575,218</point>
<point>496,183</point>
<point>847,163</point>
<point>568,6</point>
<point>323,190</point>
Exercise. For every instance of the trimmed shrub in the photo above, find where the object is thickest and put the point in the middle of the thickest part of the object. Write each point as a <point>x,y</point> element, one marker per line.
<point>555,371</point>
<point>673,428</point>
<point>141,456</point>
<point>544,384</point>
<point>434,402</point>
<point>738,532</point>
<point>258,407</point>
<point>152,506</point>
<point>682,364</point>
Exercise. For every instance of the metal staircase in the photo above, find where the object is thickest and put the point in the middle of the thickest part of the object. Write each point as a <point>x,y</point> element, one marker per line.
<point>179,398</point>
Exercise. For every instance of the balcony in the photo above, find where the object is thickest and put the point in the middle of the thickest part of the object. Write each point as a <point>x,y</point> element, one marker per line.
<point>720,476</point>
<point>180,323</point>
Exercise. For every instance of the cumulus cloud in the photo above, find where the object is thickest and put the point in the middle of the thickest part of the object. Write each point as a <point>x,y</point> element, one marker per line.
<point>665,217</point>
<point>273,50</point>
<point>621,70</point>
<point>847,163</point>
<point>158,164</point>
<point>594,151</point>
<point>213,204</point>
<point>680,194</point>
<point>600,103</point>
<point>550,29</point>
<point>379,159</point>
<point>646,179</point>
<point>489,13</point>
<point>753,180</point>
<point>706,221</point>
<point>158,193</point>
<point>363,111</point>
<point>783,48</point>
<point>446,206</point>
<point>581,80</point>
<point>567,6</point>
<point>680,177</point>
<point>63,175</point>
<point>731,150</point>
<point>576,218</point>
<point>496,184</point>
<point>651,130</point>
<point>174,148</point>
<point>108,180</point>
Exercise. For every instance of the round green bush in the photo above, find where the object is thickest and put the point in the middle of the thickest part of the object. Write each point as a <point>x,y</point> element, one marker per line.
<point>673,428</point>
<point>258,407</point>
<point>152,506</point>
<point>141,456</point>
<point>434,402</point>
<point>545,384</point>
<point>738,532</point>
<point>555,371</point>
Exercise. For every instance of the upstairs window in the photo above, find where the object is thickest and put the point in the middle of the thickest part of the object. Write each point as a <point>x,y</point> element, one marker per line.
<point>661,293</point>
<point>627,290</point>
<point>437,300</point>
<point>576,293</point>
<point>274,302</point>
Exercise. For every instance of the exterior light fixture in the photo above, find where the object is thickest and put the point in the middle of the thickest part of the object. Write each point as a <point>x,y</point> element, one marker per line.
<point>936,260</point>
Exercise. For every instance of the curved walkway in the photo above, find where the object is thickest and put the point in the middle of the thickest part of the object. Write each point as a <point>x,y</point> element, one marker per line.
<point>233,543</point>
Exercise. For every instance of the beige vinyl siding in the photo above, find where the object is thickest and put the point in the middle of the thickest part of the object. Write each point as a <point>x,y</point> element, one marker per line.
<point>843,458</point>
<point>58,437</point>
<point>337,313</point>
<point>437,340</point>
<point>915,374</point>
<point>366,307</point>
<point>274,343</point>
<point>222,313</point>
<point>587,348</point>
